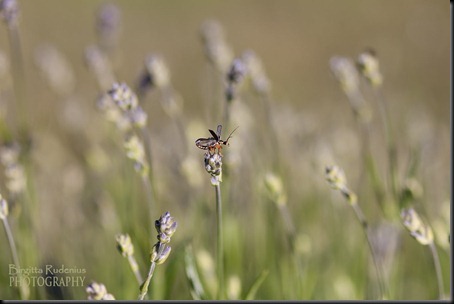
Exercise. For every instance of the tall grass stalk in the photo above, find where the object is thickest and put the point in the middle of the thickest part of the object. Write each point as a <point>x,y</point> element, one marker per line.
<point>166,227</point>
<point>365,227</point>
<point>336,178</point>
<point>276,193</point>
<point>213,165</point>
<point>436,259</point>
<point>219,243</point>
<point>262,87</point>
<point>23,288</point>
<point>126,249</point>
<point>347,75</point>
<point>9,11</point>
<point>234,78</point>
<point>135,268</point>
<point>149,192</point>
<point>423,233</point>
<point>220,55</point>
<point>156,76</point>
<point>390,142</point>
<point>18,76</point>
<point>368,65</point>
<point>144,287</point>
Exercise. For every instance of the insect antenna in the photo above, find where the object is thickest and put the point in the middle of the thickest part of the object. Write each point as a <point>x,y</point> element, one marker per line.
<point>226,141</point>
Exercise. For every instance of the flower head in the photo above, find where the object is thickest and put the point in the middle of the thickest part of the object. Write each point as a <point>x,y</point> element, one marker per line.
<point>417,228</point>
<point>368,66</point>
<point>124,245</point>
<point>213,165</point>
<point>97,291</point>
<point>3,208</point>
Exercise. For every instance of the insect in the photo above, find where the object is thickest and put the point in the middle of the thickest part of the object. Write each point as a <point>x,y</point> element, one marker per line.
<point>215,142</point>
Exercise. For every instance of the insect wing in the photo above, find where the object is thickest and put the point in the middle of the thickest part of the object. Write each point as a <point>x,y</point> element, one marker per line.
<point>218,131</point>
<point>215,136</point>
<point>205,143</point>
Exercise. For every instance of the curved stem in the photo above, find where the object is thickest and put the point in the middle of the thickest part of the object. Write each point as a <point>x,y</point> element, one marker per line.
<point>436,259</point>
<point>364,225</point>
<point>391,146</point>
<point>23,288</point>
<point>135,268</point>
<point>144,287</point>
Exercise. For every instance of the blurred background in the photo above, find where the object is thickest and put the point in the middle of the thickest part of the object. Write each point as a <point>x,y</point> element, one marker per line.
<point>83,190</point>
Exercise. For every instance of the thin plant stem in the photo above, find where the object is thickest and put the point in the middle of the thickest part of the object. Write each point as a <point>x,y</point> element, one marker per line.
<point>267,101</point>
<point>291,237</point>
<point>356,99</point>
<point>23,288</point>
<point>147,144</point>
<point>144,287</point>
<point>362,219</point>
<point>167,95</point>
<point>374,178</point>
<point>148,180</point>
<point>219,243</point>
<point>227,110</point>
<point>433,250</point>
<point>290,227</point>
<point>148,188</point>
<point>135,268</point>
<point>391,147</point>
<point>18,78</point>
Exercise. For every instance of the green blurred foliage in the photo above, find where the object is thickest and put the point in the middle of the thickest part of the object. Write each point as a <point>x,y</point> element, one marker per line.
<point>82,190</point>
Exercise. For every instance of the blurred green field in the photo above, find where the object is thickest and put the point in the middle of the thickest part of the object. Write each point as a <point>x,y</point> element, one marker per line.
<point>81,189</point>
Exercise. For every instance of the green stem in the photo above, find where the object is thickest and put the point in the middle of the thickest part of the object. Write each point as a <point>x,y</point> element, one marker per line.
<point>150,196</point>
<point>144,287</point>
<point>362,219</point>
<point>168,93</point>
<point>436,259</point>
<point>267,101</point>
<point>135,268</point>
<point>359,108</point>
<point>23,288</point>
<point>147,145</point>
<point>291,237</point>
<point>391,146</point>
<point>220,243</point>
<point>18,79</point>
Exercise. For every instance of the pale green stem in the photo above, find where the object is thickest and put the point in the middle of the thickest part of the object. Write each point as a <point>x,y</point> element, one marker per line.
<point>266,100</point>
<point>436,259</point>
<point>357,100</point>
<point>362,219</point>
<point>18,78</point>
<point>391,146</point>
<point>150,196</point>
<point>23,288</point>
<point>147,146</point>
<point>220,243</point>
<point>135,268</point>
<point>144,287</point>
<point>291,236</point>
<point>167,94</point>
